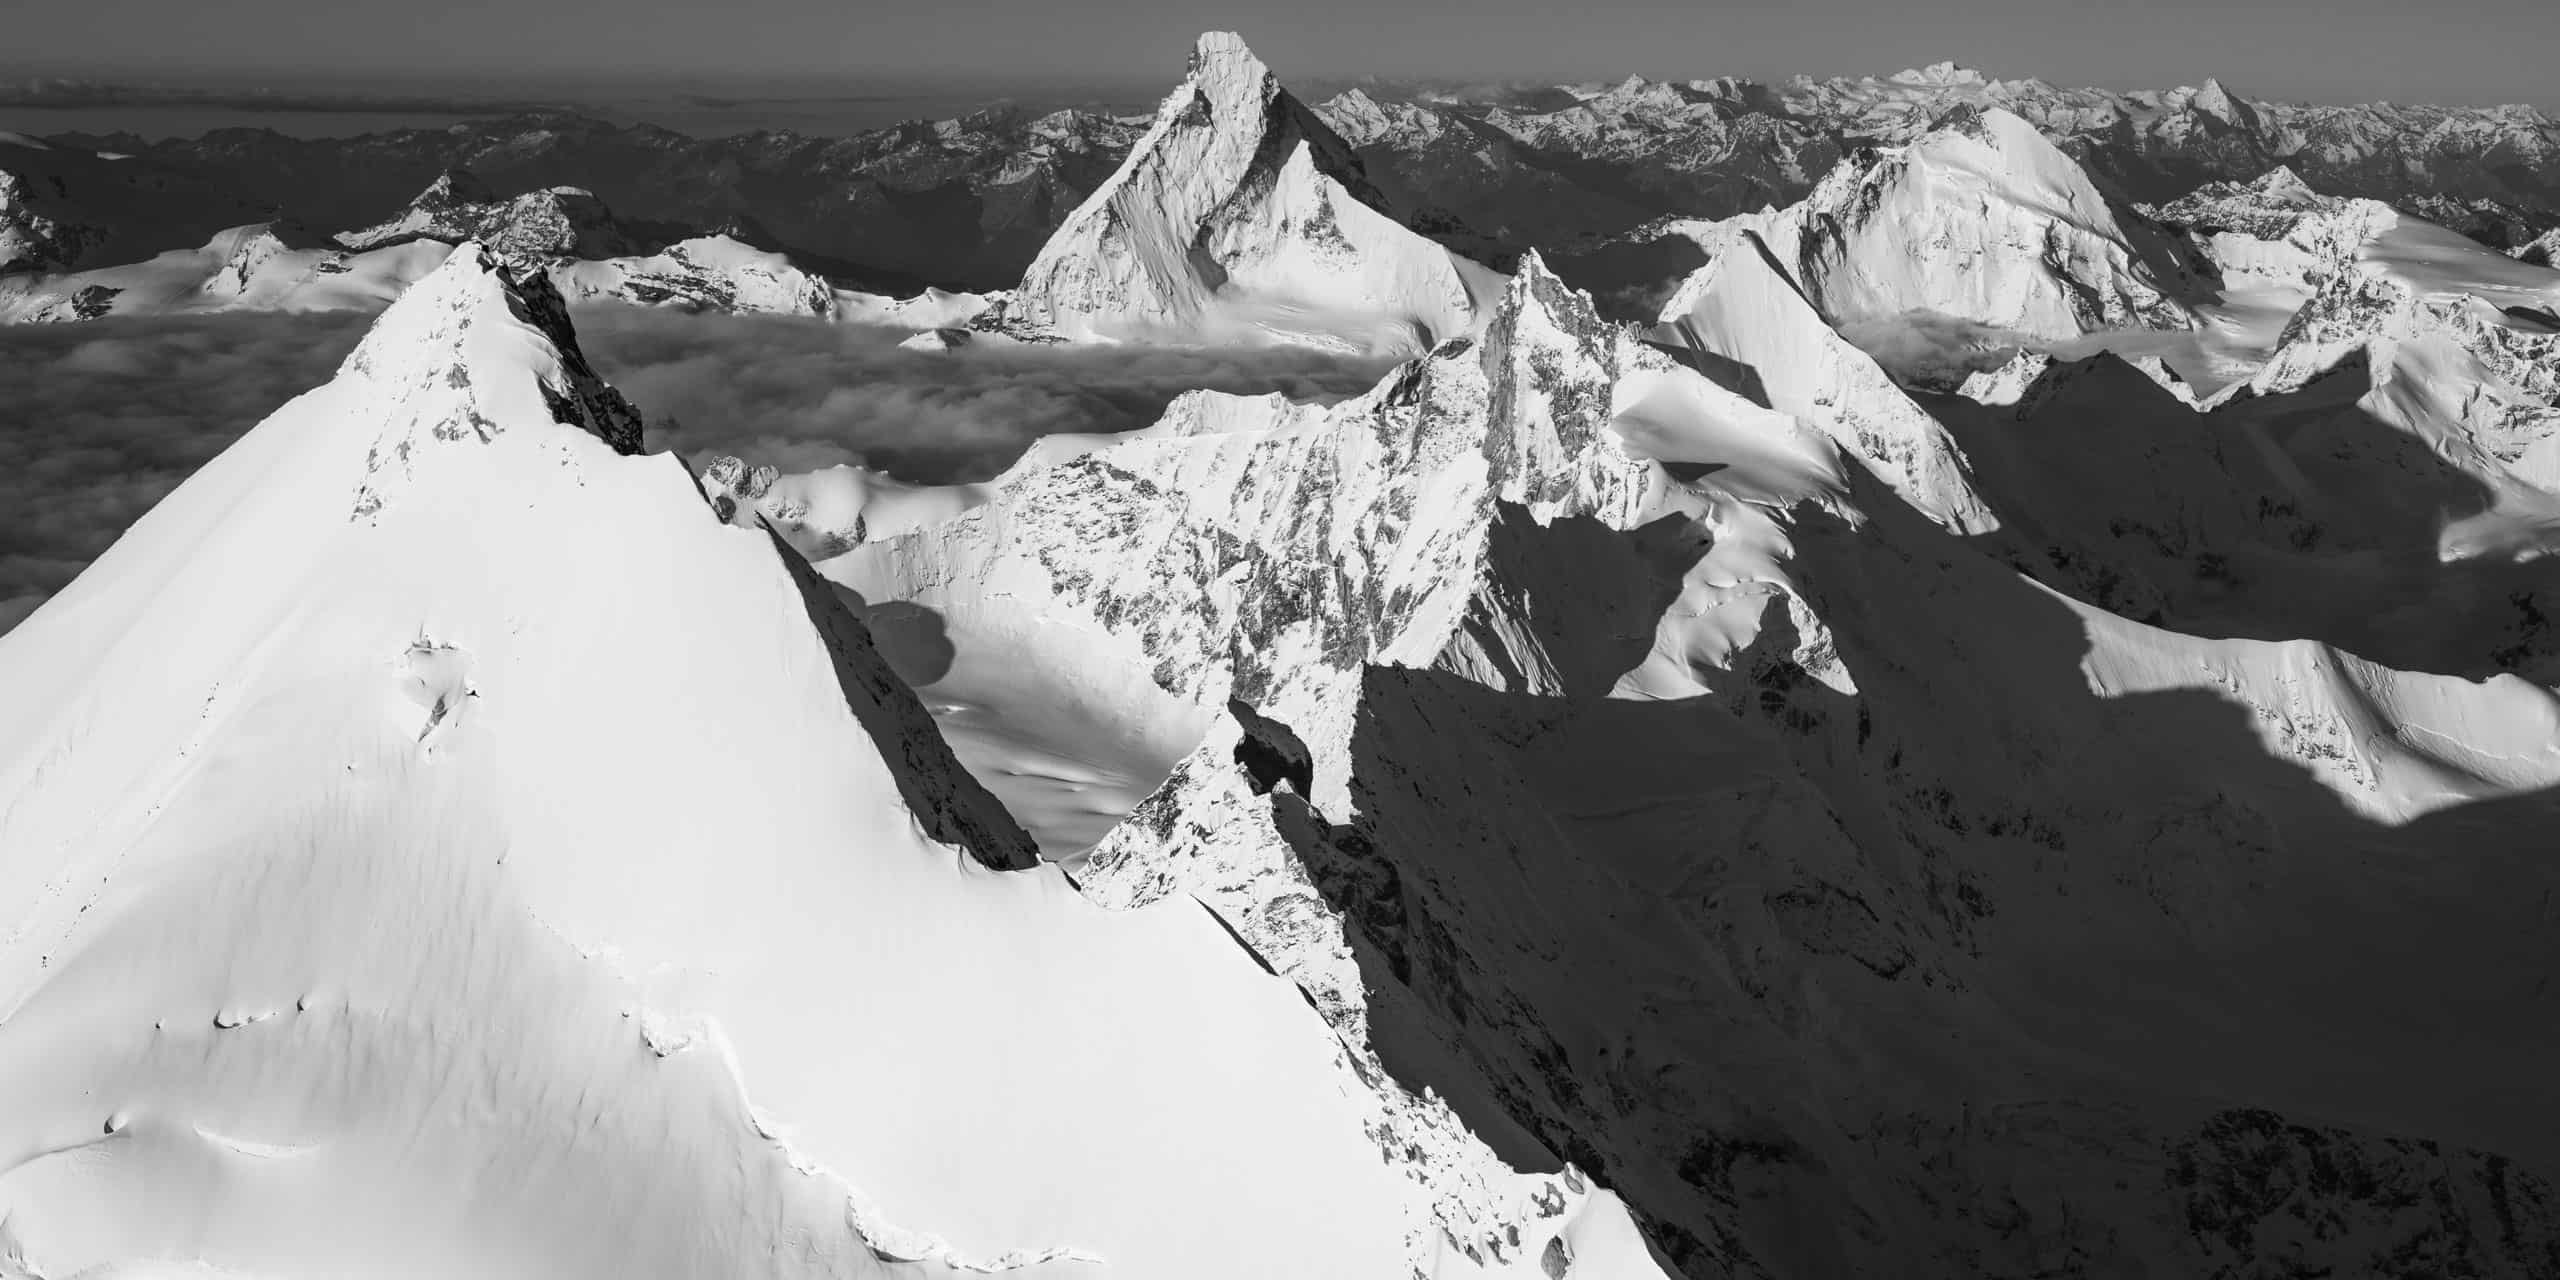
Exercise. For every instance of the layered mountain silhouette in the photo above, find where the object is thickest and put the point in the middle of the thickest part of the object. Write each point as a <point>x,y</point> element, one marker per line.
<point>2002,731</point>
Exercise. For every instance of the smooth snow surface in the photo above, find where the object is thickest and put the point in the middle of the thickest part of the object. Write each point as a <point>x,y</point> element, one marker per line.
<point>521,873</point>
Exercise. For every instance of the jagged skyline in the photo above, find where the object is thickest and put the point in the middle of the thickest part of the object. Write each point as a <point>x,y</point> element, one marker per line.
<point>2353,52</point>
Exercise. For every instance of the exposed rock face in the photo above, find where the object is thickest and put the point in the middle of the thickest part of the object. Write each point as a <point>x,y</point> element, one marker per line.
<point>555,222</point>
<point>32,238</point>
<point>65,207</point>
<point>1744,316</point>
<point>418,362</point>
<point>1264,552</point>
<point>1241,215</point>
<point>1731,643</point>
<point>707,273</point>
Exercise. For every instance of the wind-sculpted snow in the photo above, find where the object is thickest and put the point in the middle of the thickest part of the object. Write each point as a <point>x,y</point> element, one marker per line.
<point>534,876</point>
<point>1238,215</point>
<point>430,402</point>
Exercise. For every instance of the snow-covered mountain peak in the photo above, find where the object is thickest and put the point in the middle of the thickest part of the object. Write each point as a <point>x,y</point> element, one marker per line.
<point>540,827</point>
<point>2000,147</point>
<point>477,344</point>
<point>1984,220</point>
<point>1943,73</point>
<point>1241,216</point>
<point>2212,99</point>
<point>551,222</point>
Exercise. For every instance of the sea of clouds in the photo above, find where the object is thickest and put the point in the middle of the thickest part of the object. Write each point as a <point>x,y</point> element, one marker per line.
<point>99,421</point>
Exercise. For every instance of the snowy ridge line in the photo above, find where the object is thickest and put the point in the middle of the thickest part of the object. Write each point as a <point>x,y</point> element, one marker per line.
<point>864,1214</point>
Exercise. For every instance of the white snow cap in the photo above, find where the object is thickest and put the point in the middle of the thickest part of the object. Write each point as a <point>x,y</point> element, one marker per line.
<point>1241,216</point>
<point>478,346</point>
<point>1982,219</point>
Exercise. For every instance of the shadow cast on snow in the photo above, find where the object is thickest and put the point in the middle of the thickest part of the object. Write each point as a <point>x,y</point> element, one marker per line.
<point>2298,515</point>
<point>1972,972</point>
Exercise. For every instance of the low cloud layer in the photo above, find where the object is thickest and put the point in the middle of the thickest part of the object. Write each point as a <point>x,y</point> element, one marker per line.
<point>802,396</point>
<point>99,421</point>
<point>1925,348</point>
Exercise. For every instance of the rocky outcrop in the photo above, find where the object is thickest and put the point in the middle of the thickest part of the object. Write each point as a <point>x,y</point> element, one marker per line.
<point>554,222</point>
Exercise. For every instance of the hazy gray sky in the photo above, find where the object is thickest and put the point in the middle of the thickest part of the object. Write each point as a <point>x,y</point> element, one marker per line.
<point>2468,51</point>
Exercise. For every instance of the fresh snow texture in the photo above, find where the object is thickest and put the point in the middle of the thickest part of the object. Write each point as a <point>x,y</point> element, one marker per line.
<point>435,844</point>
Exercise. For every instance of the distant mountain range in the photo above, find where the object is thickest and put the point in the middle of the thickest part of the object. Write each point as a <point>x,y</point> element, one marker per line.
<point>2010,727</point>
<point>1580,171</point>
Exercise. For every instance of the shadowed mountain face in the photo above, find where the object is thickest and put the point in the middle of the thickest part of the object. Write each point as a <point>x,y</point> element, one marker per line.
<point>1972,973</point>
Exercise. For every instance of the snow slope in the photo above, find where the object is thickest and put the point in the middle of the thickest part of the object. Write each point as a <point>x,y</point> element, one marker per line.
<point>435,843</point>
<point>1647,758</point>
<point>1240,216</point>
<point>1983,220</point>
<point>259,267</point>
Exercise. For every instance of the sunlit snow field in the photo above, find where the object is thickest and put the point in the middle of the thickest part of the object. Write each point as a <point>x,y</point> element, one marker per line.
<point>98,421</point>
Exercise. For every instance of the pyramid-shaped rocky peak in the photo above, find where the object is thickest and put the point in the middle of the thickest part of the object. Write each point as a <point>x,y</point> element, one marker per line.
<point>2282,183</point>
<point>1242,216</point>
<point>2213,99</point>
